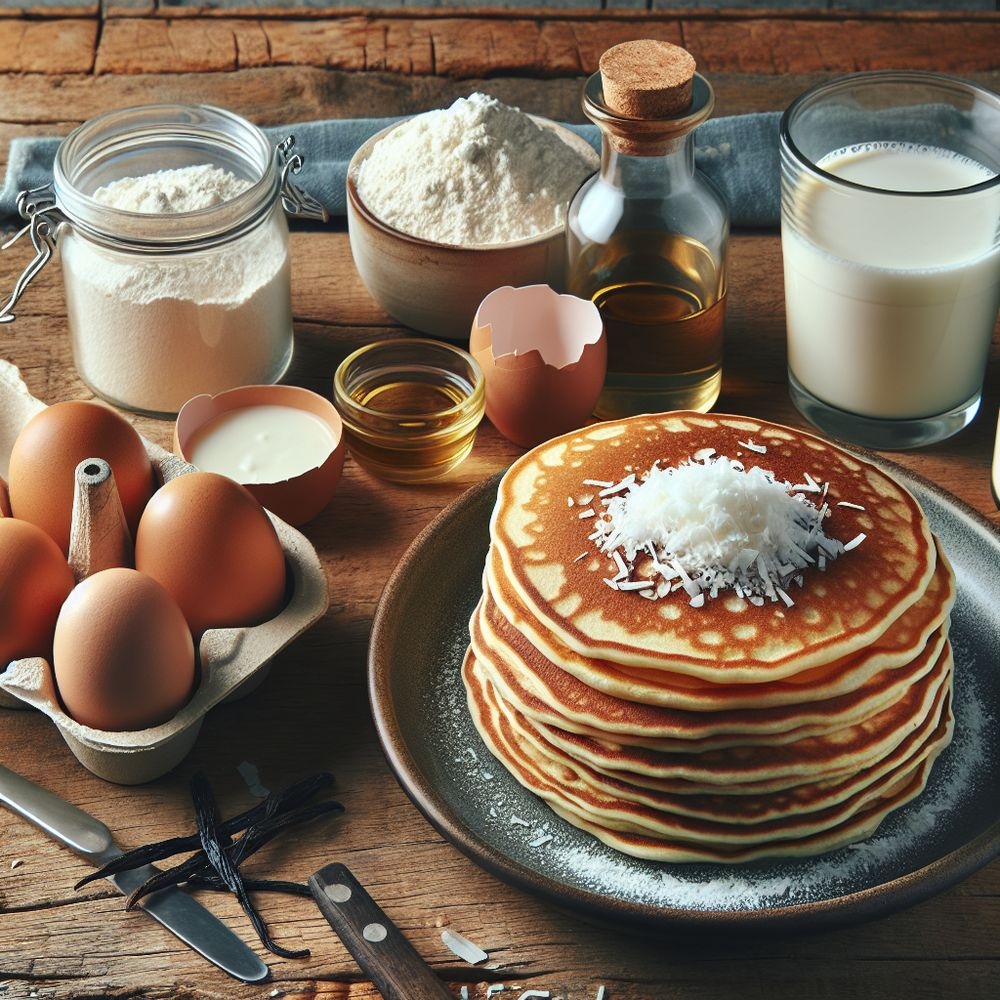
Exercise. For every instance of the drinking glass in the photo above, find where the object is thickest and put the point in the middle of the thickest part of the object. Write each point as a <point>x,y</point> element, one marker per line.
<point>890,226</point>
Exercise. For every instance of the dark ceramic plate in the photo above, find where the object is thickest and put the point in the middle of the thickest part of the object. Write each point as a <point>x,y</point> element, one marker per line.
<point>419,638</point>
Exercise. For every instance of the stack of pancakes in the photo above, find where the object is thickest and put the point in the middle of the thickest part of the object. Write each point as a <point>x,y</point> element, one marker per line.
<point>727,729</point>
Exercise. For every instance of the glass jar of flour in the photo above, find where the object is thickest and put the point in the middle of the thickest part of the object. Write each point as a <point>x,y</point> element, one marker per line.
<point>170,226</point>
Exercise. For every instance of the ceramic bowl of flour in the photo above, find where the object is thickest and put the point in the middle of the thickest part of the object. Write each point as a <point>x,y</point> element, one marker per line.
<point>431,201</point>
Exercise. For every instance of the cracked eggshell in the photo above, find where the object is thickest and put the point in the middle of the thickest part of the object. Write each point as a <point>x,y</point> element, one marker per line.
<point>544,358</point>
<point>295,500</point>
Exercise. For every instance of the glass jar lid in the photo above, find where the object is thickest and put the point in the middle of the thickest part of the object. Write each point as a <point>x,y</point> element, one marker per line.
<point>137,141</point>
<point>133,142</point>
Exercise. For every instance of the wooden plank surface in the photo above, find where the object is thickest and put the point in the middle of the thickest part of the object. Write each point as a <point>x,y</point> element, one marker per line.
<point>540,43</point>
<point>550,46</point>
<point>312,711</point>
<point>63,8</point>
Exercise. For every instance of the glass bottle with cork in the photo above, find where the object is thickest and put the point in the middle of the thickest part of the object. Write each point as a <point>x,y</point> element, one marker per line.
<point>647,235</point>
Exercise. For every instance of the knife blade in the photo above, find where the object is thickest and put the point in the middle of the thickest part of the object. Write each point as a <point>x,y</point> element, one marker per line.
<point>178,912</point>
<point>374,941</point>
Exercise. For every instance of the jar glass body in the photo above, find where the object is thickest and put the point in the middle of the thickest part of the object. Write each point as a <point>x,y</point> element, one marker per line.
<point>647,239</point>
<point>166,306</point>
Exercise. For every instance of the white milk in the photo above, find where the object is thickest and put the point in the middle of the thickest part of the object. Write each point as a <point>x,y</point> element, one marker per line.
<point>892,297</point>
<point>262,444</point>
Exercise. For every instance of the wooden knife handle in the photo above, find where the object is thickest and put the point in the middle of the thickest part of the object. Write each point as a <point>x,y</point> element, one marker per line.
<point>995,475</point>
<point>374,941</point>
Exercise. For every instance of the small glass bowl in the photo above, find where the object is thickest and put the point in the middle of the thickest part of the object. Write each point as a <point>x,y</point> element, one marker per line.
<point>410,407</point>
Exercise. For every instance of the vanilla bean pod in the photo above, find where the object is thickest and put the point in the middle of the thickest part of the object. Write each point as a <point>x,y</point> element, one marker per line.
<point>212,882</point>
<point>252,840</point>
<point>266,830</point>
<point>290,798</point>
<point>180,873</point>
<point>208,830</point>
<point>216,864</point>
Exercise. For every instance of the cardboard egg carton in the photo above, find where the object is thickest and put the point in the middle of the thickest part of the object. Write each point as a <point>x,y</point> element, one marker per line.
<point>233,660</point>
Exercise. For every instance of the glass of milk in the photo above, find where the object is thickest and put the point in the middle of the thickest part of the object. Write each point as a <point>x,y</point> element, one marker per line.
<point>890,233</point>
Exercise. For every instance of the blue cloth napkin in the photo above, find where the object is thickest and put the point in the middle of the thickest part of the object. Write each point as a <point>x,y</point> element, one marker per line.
<point>739,154</point>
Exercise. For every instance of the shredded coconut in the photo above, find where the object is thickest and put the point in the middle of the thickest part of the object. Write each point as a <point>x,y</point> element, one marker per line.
<point>461,946</point>
<point>474,174</point>
<point>712,525</point>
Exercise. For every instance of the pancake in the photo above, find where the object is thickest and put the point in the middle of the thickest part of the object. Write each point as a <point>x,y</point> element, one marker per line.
<point>809,758</point>
<point>544,691</point>
<point>727,805</point>
<point>659,834</point>
<point>896,647</point>
<point>537,542</point>
<point>857,828</point>
<point>710,638</point>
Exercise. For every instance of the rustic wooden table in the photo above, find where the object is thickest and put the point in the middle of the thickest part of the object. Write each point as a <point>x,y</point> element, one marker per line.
<point>64,62</point>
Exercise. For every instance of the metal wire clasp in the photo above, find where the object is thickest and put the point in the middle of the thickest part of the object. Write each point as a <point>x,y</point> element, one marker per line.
<point>38,206</point>
<point>294,200</point>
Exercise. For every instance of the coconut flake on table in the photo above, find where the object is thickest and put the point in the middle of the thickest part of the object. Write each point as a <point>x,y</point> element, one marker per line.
<point>461,946</point>
<point>714,525</point>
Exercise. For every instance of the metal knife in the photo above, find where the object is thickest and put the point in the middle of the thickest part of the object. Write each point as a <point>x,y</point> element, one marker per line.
<point>374,941</point>
<point>180,913</point>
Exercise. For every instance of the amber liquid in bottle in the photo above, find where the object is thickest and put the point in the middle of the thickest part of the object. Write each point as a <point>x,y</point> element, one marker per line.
<point>663,321</point>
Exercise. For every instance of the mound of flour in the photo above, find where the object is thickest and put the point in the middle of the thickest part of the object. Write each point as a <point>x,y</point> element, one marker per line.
<point>476,173</point>
<point>180,189</point>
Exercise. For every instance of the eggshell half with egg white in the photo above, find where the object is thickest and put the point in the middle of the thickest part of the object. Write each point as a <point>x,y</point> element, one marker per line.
<point>544,357</point>
<point>295,498</point>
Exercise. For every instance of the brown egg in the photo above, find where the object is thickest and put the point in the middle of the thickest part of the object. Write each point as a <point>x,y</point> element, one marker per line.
<point>123,655</point>
<point>47,451</point>
<point>210,543</point>
<point>34,581</point>
<point>4,499</point>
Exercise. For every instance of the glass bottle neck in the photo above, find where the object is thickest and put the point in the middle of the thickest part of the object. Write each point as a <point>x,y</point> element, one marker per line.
<point>643,154</point>
<point>667,169</point>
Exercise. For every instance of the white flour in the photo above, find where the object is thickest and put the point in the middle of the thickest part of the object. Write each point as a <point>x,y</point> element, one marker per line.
<point>184,189</point>
<point>477,173</point>
<point>150,332</point>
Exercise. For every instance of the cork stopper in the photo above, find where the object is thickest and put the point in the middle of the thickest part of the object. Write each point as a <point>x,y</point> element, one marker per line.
<point>647,79</point>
